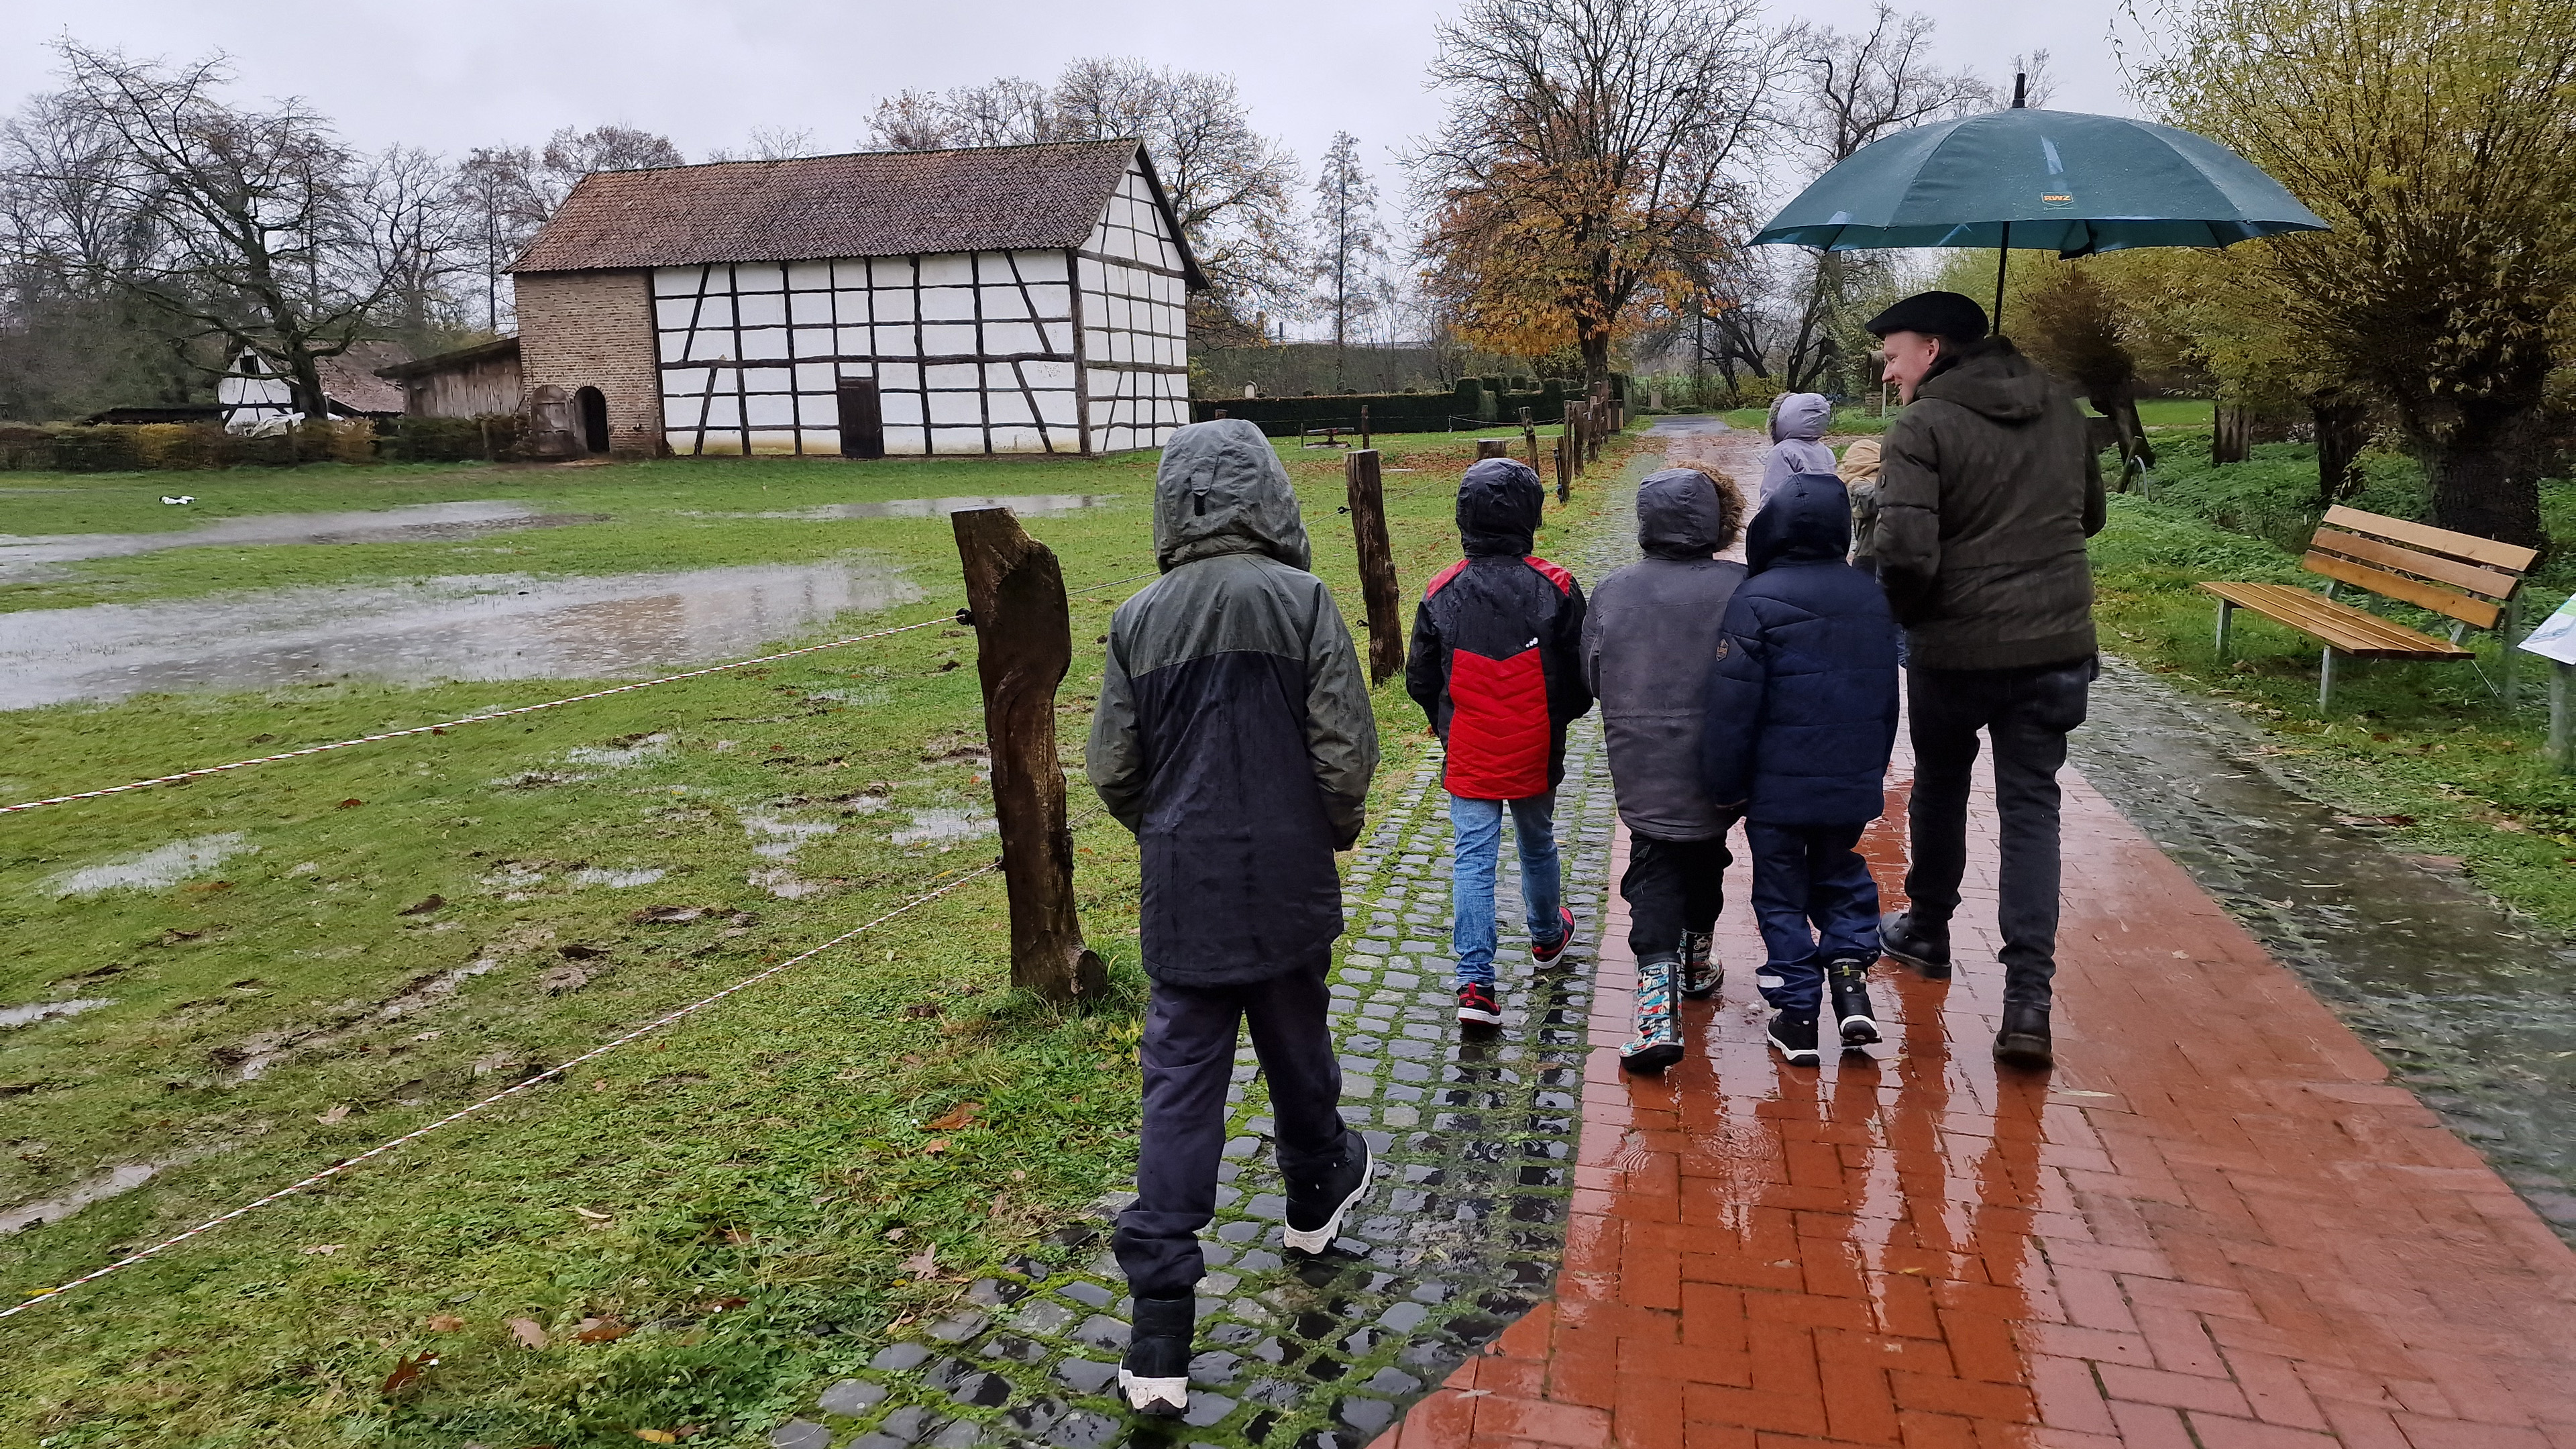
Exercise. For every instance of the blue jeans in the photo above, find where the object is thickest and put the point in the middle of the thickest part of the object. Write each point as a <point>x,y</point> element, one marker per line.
<point>1479,824</point>
<point>1816,902</point>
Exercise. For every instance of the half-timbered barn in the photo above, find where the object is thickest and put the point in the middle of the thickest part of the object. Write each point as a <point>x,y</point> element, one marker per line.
<point>1007,299</point>
<point>254,391</point>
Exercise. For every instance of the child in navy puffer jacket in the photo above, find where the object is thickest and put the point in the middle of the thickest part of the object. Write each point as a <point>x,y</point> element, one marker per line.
<point>1801,720</point>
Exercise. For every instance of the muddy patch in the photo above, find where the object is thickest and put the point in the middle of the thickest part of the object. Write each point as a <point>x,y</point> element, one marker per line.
<point>36,1011</point>
<point>462,627</point>
<point>1026,505</point>
<point>154,869</point>
<point>28,556</point>
<point>254,1058</point>
<point>944,827</point>
<point>115,1182</point>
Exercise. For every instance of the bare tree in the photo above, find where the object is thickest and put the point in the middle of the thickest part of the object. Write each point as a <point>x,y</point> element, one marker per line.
<point>255,224</point>
<point>1583,138</point>
<point>1008,111</point>
<point>769,143</point>
<point>502,202</point>
<point>571,155</point>
<point>412,231</point>
<point>1347,240</point>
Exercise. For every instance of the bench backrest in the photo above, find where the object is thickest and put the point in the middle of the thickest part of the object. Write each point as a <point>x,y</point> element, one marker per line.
<point>2459,574</point>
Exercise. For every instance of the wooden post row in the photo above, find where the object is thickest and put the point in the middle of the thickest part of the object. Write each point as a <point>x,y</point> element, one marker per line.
<point>1529,435</point>
<point>1492,448</point>
<point>1385,622</point>
<point>1023,646</point>
<point>1564,471</point>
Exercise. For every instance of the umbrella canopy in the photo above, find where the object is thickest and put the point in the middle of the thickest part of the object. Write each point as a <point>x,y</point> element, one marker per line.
<point>2031,178</point>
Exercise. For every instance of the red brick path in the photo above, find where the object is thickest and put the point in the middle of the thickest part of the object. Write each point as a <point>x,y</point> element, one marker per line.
<point>2218,1223</point>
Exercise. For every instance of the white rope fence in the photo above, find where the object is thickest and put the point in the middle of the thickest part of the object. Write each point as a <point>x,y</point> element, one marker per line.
<point>337,1168</point>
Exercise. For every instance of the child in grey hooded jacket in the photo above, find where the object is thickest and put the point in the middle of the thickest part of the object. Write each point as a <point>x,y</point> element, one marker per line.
<point>1798,421</point>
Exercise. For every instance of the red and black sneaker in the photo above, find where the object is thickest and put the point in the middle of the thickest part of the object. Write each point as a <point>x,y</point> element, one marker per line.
<point>1564,938</point>
<point>1476,1005</point>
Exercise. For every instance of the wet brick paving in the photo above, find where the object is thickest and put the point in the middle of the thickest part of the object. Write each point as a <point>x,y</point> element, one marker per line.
<point>1474,1130</point>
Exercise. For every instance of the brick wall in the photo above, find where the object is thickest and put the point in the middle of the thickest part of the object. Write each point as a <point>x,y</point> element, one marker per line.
<point>595,329</point>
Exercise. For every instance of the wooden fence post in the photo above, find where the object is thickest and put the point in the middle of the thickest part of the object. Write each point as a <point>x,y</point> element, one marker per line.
<point>1364,427</point>
<point>1385,620</point>
<point>1529,435</point>
<point>1564,471</point>
<point>1492,448</point>
<point>1023,645</point>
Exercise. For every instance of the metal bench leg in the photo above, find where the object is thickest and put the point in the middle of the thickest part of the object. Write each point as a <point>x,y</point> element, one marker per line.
<point>2562,717</point>
<point>2226,624</point>
<point>2325,682</point>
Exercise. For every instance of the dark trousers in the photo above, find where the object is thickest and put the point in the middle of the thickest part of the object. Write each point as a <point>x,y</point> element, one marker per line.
<point>1188,1057</point>
<point>2028,713</point>
<point>1672,886</point>
<point>1814,898</point>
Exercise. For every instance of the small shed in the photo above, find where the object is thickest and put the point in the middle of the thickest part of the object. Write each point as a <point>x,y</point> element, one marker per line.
<point>1002,299</point>
<point>256,391</point>
<point>483,380</point>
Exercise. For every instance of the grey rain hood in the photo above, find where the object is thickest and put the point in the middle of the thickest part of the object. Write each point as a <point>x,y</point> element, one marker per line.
<point>1221,489</point>
<point>1801,415</point>
<point>1680,515</point>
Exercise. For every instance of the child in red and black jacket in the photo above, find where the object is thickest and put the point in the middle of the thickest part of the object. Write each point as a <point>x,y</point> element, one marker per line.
<point>1497,664</point>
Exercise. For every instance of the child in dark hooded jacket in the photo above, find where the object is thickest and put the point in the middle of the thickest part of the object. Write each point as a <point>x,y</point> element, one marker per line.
<point>1801,720</point>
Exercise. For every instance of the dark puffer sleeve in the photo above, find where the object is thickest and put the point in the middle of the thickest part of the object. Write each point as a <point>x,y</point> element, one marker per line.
<point>1341,727</point>
<point>1115,756</point>
<point>1569,684</point>
<point>1731,730</point>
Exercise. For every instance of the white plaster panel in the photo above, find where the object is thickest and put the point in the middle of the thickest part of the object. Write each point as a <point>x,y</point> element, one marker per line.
<point>764,342</point>
<point>674,281</point>
<point>685,381</point>
<point>938,338</point>
<point>722,411</point>
<point>809,307</point>
<point>1059,337</point>
<point>1052,299</point>
<point>898,375</point>
<point>761,309</point>
<point>809,276</point>
<point>777,441</point>
<point>822,441</point>
<point>1048,374</point>
<point>1059,409</point>
<point>1039,266</point>
<point>672,311</point>
<point>712,311</point>
<point>897,342</point>
<point>1092,274</point>
<point>960,375</point>
<point>1004,405</point>
<point>903,442</point>
<point>892,304</point>
<point>1013,337</point>
<point>816,377</point>
<point>855,342</point>
<point>948,304</point>
<point>956,407</point>
<point>769,410</point>
<point>1002,301</point>
<point>946,269</point>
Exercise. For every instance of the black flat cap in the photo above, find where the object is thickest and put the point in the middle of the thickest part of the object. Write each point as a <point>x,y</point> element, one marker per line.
<point>1934,314</point>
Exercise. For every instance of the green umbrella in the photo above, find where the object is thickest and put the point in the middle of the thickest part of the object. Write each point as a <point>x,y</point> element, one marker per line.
<point>2080,184</point>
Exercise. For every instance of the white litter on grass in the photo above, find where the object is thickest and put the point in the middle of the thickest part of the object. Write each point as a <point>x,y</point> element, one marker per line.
<point>618,880</point>
<point>785,837</point>
<point>869,695</point>
<point>36,1011</point>
<point>785,884</point>
<point>153,869</point>
<point>182,498</point>
<point>944,827</point>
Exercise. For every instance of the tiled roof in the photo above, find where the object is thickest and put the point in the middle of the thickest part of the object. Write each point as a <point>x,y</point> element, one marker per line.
<point>350,379</point>
<point>865,204</point>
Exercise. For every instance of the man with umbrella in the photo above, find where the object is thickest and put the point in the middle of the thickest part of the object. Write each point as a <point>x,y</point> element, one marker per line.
<point>1987,492</point>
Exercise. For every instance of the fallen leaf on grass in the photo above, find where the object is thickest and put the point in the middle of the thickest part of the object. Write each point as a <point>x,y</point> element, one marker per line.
<point>600,1330</point>
<point>594,1217</point>
<point>407,1371</point>
<point>955,1117</point>
<point>324,1249</point>
<point>529,1335</point>
<point>350,804</point>
<point>445,1323</point>
<point>922,1009</point>
<point>424,907</point>
<point>336,1114</point>
<point>935,1145</point>
<point>657,1436</point>
<point>924,1263</point>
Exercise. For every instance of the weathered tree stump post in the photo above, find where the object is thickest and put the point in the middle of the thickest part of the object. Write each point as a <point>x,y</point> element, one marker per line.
<point>1529,435</point>
<point>1364,427</point>
<point>1023,646</point>
<point>1377,565</point>
<point>1492,448</point>
<point>1564,471</point>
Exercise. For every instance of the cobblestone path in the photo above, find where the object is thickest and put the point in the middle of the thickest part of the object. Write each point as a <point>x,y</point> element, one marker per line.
<point>1475,1132</point>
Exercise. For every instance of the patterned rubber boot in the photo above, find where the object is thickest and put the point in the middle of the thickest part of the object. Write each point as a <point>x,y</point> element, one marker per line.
<point>1847,978</point>
<point>1658,1042</point>
<point>1701,972</point>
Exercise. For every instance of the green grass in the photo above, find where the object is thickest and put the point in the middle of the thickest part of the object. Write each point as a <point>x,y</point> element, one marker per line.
<point>1846,420</point>
<point>2426,741</point>
<point>752,1189</point>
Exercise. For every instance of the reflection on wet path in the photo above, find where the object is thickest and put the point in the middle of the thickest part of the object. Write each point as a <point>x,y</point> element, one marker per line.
<point>477,627</point>
<point>1026,505</point>
<point>2470,1006</point>
<point>24,556</point>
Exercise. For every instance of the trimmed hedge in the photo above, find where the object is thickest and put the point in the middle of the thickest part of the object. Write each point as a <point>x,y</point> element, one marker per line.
<point>115,448</point>
<point>1478,401</point>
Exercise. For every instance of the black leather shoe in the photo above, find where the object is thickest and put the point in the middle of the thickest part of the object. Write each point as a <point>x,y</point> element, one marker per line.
<point>1924,947</point>
<point>2023,1042</point>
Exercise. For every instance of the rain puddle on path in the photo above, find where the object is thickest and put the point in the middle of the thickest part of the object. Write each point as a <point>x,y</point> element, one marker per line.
<point>2467,1004</point>
<point>23,555</point>
<point>1026,505</point>
<point>491,626</point>
<point>36,1011</point>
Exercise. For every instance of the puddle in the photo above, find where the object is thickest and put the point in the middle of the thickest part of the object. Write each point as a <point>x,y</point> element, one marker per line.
<point>114,1182</point>
<point>1026,505</point>
<point>618,757</point>
<point>944,827</point>
<point>153,869</point>
<point>466,627</point>
<point>618,880</point>
<point>780,839</point>
<point>36,1011</point>
<point>786,884</point>
<point>23,555</point>
<point>2466,1004</point>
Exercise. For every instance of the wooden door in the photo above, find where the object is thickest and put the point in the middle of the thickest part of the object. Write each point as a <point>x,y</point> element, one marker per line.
<point>862,420</point>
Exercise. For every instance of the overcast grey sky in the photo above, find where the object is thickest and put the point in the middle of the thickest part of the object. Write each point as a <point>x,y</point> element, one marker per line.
<point>463,73</point>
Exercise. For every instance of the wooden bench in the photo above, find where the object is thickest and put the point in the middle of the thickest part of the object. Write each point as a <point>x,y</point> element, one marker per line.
<point>2476,581</point>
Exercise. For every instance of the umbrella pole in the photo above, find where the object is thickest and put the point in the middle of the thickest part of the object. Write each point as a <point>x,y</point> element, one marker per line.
<point>2003,258</point>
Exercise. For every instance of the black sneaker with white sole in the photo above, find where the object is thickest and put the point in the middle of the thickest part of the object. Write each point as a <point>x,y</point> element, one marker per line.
<point>1154,1377</point>
<point>1795,1036</point>
<point>1317,1204</point>
<point>1847,978</point>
